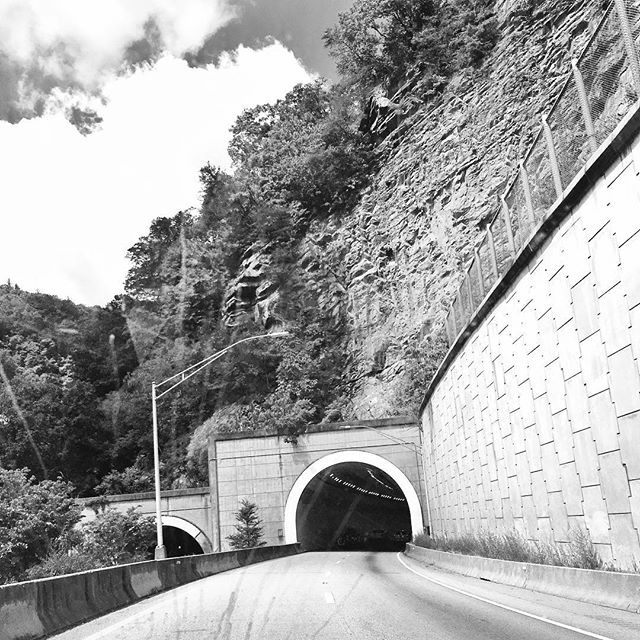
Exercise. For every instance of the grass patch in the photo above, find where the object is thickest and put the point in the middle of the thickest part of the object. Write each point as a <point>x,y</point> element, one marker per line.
<point>579,552</point>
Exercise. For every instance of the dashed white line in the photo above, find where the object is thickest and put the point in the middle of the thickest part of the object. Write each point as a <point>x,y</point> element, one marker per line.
<point>503,606</point>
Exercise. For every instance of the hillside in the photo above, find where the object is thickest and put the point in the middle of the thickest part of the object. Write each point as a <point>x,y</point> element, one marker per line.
<point>401,250</point>
<point>349,217</point>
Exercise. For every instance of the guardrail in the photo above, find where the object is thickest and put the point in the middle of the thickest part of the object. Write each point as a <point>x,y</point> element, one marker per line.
<point>606,588</point>
<point>601,88</point>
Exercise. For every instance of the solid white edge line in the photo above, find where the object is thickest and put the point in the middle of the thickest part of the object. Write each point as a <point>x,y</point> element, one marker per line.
<point>502,606</point>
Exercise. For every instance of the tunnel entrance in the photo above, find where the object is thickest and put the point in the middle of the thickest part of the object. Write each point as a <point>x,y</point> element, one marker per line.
<point>353,506</point>
<point>179,543</point>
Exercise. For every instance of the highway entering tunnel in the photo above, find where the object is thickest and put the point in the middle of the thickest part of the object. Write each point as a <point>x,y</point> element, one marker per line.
<point>353,506</point>
<point>354,594</point>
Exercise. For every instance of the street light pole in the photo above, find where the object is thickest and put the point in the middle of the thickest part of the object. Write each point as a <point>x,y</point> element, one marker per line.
<point>161,551</point>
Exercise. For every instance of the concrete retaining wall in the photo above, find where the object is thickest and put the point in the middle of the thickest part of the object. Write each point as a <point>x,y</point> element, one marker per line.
<point>534,425</point>
<point>611,589</point>
<point>35,609</point>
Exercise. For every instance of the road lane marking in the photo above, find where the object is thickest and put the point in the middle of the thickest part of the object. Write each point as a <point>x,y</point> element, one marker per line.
<point>328,596</point>
<point>503,606</point>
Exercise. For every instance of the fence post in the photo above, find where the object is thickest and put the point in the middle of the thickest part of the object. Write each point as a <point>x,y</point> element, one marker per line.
<point>627,36</point>
<point>458,311</point>
<point>584,106</point>
<point>483,289</point>
<point>553,158</point>
<point>469,284</point>
<point>509,229</point>
<point>526,187</point>
<point>492,254</point>
<point>451,325</point>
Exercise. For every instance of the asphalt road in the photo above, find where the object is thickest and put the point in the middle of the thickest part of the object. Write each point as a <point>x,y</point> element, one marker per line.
<point>363,595</point>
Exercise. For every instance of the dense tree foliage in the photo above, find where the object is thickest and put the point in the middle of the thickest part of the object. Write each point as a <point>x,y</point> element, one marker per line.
<point>111,538</point>
<point>58,361</point>
<point>377,42</point>
<point>33,517</point>
<point>304,150</point>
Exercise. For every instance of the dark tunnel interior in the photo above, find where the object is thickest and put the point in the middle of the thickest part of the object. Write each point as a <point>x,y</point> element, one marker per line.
<point>353,506</point>
<point>179,543</point>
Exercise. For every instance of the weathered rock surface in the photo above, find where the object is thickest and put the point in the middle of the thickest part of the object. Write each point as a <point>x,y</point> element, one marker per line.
<point>252,294</point>
<point>417,224</point>
<point>394,264</point>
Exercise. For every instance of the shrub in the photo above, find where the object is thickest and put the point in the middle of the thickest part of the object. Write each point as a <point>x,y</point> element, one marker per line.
<point>33,516</point>
<point>117,538</point>
<point>511,545</point>
<point>61,563</point>
<point>112,538</point>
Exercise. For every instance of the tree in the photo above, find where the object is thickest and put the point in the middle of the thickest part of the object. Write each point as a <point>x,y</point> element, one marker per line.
<point>117,538</point>
<point>376,42</point>
<point>375,39</point>
<point>249,529</point>
<point>33,517</point>
<point>133,479</point>
<point>305,152</point>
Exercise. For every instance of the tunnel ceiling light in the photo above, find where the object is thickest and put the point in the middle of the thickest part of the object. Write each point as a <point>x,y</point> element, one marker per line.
<point>360,489</point>
<point>373,475</point>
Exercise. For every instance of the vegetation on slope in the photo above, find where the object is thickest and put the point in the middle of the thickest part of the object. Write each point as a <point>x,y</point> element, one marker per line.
<point>74,401</point>
<point>578,552</point>
<point>39,535</point>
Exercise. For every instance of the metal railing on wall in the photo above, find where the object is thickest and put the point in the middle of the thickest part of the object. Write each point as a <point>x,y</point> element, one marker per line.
<point>602,86</point>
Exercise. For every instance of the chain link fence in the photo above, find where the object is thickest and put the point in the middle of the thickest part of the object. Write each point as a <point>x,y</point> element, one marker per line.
<point>602,86</point>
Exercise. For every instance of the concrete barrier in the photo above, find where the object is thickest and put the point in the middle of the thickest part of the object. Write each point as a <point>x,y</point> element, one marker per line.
<point>36,609</point>
<point>608,588</point>
<point>19,612</point>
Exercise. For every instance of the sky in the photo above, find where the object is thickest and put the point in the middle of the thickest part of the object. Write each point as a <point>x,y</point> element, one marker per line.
<point>108,108</point>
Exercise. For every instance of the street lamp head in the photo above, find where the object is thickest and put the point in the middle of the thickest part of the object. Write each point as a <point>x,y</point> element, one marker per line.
<point>278,334</point>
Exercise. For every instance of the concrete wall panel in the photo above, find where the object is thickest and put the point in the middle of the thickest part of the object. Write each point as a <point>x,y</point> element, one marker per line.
<point>556,363</point>
<point>265,468</point>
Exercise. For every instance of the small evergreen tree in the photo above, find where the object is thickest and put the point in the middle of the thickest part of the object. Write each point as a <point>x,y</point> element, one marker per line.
<point>249,528</point>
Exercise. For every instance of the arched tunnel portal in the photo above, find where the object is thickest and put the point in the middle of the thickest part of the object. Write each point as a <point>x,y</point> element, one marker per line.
<point>353,504</point>
<point>182,538</point>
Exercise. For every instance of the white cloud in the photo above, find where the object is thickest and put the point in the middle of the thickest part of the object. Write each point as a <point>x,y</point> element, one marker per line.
<point>70,206</point>
<point>82,40</point>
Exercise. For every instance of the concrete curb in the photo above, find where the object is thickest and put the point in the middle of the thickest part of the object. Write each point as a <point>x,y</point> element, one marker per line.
<point>36,609</point>
<point>607,588</point>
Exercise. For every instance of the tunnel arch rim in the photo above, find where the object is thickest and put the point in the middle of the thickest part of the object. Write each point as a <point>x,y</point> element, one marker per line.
<point>293,499</point>
<point>188,527</point>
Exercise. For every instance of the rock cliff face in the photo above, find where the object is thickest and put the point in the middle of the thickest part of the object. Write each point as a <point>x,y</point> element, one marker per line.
<point>445,168</point>
<point>396,261</point>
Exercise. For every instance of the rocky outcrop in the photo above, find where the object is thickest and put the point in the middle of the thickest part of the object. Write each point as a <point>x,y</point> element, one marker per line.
<point>252,294</point>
